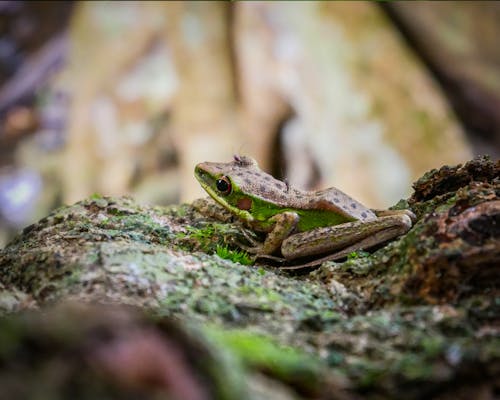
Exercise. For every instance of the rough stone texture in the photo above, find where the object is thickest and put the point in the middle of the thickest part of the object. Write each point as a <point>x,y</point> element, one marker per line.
<point>418,318</point>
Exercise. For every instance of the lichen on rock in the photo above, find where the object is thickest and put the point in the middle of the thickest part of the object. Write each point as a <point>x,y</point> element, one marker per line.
<point>415,318</point>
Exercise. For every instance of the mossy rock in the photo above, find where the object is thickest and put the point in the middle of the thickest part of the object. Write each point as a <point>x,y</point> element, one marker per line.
<point>415,318</point>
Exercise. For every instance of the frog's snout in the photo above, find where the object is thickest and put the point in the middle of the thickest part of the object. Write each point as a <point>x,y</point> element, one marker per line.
<point>202,174</point>
<point>198,171</point>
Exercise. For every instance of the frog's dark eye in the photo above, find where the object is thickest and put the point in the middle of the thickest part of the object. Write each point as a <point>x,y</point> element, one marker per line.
<point>223,185</point>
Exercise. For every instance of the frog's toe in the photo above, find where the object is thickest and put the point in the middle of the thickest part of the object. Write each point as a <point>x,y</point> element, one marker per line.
<point>406,223</point>
<point>270,257</point>
<point>250,249</point>
<point>392,213</point>
<point>411,215</point>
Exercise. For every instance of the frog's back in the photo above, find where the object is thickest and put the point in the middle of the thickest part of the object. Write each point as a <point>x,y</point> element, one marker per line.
<point>335,200</point>
<point>251,180</point>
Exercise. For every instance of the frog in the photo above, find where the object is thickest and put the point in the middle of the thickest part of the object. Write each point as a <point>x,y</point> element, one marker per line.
<point>298,224</point>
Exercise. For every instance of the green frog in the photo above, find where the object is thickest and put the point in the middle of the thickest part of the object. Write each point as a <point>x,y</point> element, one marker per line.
<point>323,225</point>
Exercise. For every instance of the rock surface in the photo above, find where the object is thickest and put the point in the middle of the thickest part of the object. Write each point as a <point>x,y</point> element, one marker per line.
<point>417,318</point>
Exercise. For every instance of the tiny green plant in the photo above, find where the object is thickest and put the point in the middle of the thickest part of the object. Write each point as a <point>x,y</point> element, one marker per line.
<point>238,256</point>
<point>357,254</point>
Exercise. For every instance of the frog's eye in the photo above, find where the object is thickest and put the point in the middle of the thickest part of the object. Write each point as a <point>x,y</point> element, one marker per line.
<point>223,185</point>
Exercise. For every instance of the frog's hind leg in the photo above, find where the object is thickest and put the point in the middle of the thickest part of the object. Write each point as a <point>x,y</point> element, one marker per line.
<point>366,243</point>
<point>340,240</point>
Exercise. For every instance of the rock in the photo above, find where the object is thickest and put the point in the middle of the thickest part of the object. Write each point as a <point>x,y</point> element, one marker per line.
<point>416,318</point>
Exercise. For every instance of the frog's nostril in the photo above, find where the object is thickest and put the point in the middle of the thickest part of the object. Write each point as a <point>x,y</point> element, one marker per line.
<point>198,171</point>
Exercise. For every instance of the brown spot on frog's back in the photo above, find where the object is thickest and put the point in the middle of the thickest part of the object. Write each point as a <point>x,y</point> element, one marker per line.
<point>245,203</point>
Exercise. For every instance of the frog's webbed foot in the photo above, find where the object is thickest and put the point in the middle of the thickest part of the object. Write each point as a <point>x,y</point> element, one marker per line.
<point>269,257</point>
<point>283,224</point>
<point>254,242</point>
<point>249,243</point>
<point>254,249</point>
<point>258,249</point>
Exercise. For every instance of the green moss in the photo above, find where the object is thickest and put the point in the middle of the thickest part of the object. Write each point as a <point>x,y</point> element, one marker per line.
<point>263,353</point>
<point>361,316</point>
<point>206,237</point>
<point>237,256</point>
<point>214,238</point>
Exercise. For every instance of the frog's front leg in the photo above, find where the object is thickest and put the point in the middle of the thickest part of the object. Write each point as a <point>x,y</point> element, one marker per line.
<point>282,225</point>
<point>340,240</point>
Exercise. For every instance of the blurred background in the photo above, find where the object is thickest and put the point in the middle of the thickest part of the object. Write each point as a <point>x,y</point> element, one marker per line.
<point>124,98</point>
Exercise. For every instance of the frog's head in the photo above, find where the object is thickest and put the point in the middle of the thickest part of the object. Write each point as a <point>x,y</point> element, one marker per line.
<point>238,185</point>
